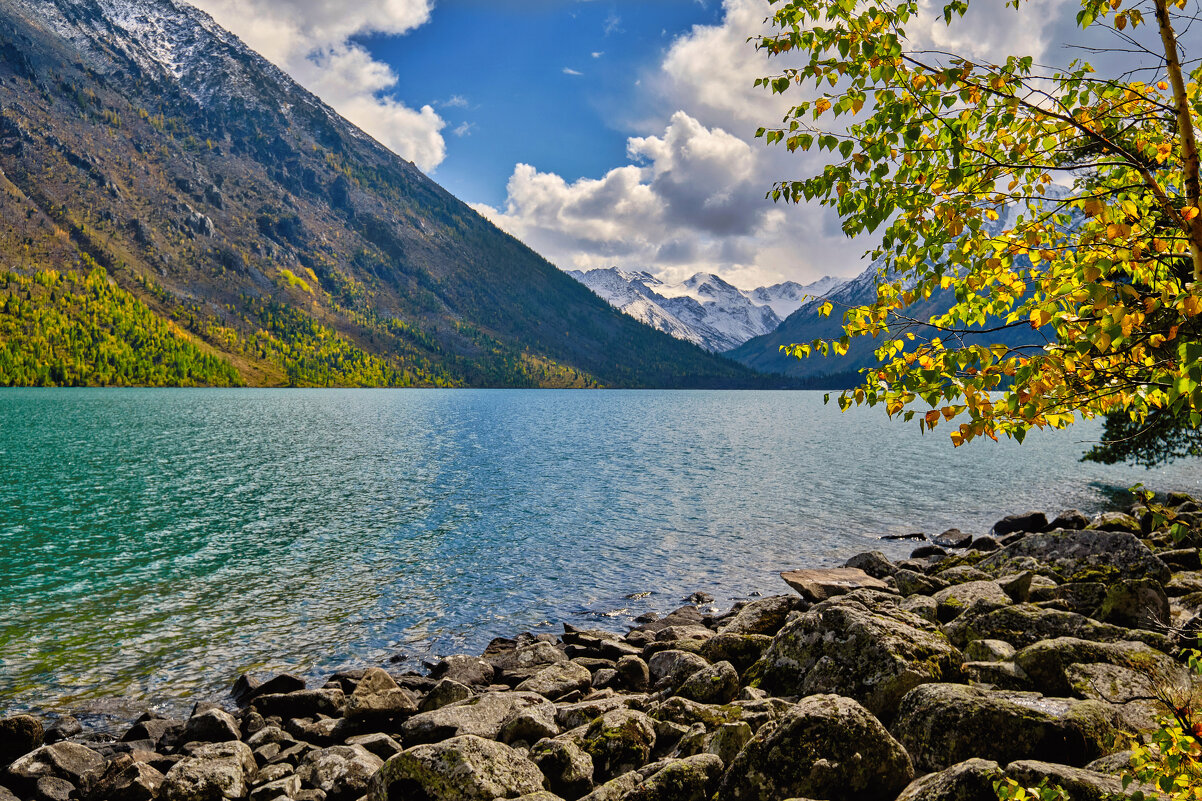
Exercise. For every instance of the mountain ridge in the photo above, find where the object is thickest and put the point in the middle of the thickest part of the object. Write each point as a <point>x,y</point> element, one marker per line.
<point>703,309</point>
<point>140,137</point>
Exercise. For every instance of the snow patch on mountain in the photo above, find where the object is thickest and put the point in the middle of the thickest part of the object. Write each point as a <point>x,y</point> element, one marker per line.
<point>703,309</point>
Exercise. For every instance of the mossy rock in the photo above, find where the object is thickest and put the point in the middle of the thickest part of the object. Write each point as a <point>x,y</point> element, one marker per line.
<point>619,741</point>
<point>467,768</point>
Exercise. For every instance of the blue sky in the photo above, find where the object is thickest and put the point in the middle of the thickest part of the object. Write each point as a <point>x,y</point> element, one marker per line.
<point>599,132</point>
<point>548,83</point>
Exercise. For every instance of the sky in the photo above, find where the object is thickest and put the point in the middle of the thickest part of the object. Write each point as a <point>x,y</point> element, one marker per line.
<point>599,132</point>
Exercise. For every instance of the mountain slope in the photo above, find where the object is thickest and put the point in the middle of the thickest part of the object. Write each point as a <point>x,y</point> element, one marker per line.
<point>703,309</point>
<point>139,136</point>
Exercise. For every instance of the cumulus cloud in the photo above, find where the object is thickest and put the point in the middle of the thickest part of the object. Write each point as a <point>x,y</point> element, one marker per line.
<point>311,41</point>
<point>692,197</point>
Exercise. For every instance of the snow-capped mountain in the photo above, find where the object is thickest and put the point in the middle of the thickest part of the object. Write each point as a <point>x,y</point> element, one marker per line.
<point>703,309</point>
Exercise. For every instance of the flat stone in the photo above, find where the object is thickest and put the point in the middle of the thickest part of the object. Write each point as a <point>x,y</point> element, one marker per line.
<point>819,584</point>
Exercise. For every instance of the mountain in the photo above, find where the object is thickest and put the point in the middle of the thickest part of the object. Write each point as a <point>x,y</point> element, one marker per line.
<point>145,148</point>
<point>805,325</point>
<point>704,309</point>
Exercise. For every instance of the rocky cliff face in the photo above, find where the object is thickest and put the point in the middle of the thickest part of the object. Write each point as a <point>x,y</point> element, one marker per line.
<point>140,136</point>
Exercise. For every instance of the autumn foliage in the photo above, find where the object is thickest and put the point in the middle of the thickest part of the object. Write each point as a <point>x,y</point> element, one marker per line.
<point>1062,200</point>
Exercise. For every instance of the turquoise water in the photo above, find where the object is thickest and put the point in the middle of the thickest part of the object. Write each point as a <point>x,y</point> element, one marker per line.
<point>155,543</point>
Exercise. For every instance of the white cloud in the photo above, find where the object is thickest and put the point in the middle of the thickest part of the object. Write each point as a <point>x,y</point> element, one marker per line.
<point>598,53</point>
<point>455,101</point>
<point>463,129</point>
<point>692,197</point>
<point>311,41</point>
<point>570,71</point>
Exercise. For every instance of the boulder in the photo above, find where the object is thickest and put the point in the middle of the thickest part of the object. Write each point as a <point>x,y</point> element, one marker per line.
<point>483,716</point>
<point>998,675</point>
<point>633,673</point>
<point>246,689</point>
<point>952,601</point>
<point>971,780</point>
<point>1115,521</point>
<point>762,616</point>
<point>52,788</point>
<point>377,702</point>
<point>567,767</point>
<point>913,582</point>
<point>693,778</point>
<point>19,735</point>
<point>518,664</point>
<point>301,704</point>
<point>1071,519</point>
<point>1079,783</point>
<point>556,681</point>
<point>211,726</point>
<point>1048,662</point>
<point>1026,624</point>
<point>1028,521</point>
<point>1088,555</point>
<point>942,724</point>
<point>671,667</point>
<point>863,646</point>
<point>953,538</point>
<point>72,762</point>
<point>464,669</point>
<point>378,743</point>
<point>874,563</point>
<point>740,650</point>
<point>1135,603</point>
<point>712,684</point>
<point>466,768</point>
<point>619,741</point>
<point>445,692</point>
<point>128,780</point>
<point>989,651</point>
<point>820,584</point>
<point>827,747</point>
<point>342,772</point>
<point>213,771</point>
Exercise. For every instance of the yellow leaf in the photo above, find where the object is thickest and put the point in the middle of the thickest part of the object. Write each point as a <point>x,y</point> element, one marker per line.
<point>1102,342</point>
<point>931,418</point>
<point>1189,212</point>
<point>1091,274</point>
<point>1191,305</point>
<point>1040,318</point>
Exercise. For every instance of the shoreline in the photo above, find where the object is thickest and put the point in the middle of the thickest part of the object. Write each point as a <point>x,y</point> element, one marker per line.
<point>1016,628</point>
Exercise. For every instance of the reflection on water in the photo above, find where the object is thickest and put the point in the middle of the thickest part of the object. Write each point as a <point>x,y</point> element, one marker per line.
<point>155,543</point>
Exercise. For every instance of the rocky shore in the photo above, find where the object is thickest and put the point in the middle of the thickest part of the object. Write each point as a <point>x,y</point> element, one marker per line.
<point>1032,652</point>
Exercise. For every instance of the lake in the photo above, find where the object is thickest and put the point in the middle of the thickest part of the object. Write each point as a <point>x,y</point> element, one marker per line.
<point>156,543</point>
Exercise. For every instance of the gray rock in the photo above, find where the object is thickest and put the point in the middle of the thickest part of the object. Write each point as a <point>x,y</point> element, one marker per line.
<point>924,606</point>
<point>1115,521</point>
<point>342,772</point>
<point>989,651</point>
<point>1026,624</point>
<point>378,743</point>
<point>971,780</point>
<point>128,780</point>
<point>518,664</point>
<point>984,544</point>
<point>65,727</point>
<point>633,673</point>
<point>712,684</point>
<point>740,650</point>
<point>301,704</point>
<point>619,741</point>
<point>1070,519</point>
<point>615,789</point>
<point>211,726</point>
<point>75,763</point>
<point>483,716</point>
<point>1047,663</point>
<point>962,574</point>
<point>912,582</point>
<point>567,767</point>
<point>1079,556</point>
<point>19,735</point>
<point>874,563</point>
<point>953,538</point>
<point>445,692</point>
<point>728,740</point>
<point>464,669</point>
<point>51,788</point>
<point>1028,521</point>
<point>820,584</point>
<point>529,726</point>
<point>1135,603</point>
<point>671,667</point>
<point>281,788</point>
<point>213,772</point>
<point>863,646</point>
<point>825,747</point>
<point>998,675</point>
<point>693,778</point>
<point>762,616</point>
<point>942,724</point>
<point>378,702</point>
<point>466,768</point>
<point>955,599</point>
<point>555,681</point>
<point>1081,784</point>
